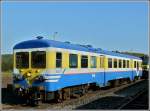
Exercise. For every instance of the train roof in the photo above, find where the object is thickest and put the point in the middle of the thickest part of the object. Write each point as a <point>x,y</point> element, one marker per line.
<point>41,43</point>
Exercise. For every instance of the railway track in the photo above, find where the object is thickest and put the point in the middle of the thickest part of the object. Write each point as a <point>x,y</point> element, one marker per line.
<point>76,103</point>
<point>139,101</point>
<point>118,99</point>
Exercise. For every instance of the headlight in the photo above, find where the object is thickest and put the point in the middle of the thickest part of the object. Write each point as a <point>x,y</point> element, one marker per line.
<point>28,74</point>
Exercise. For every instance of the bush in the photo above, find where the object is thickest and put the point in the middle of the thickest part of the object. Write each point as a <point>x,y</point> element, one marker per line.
<point>7,62</point>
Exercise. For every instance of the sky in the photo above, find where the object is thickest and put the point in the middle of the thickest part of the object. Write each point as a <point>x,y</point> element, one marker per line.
<point>121,26</point>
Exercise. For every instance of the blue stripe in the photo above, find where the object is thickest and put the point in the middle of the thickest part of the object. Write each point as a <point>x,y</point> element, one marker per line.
<point>78,79</point>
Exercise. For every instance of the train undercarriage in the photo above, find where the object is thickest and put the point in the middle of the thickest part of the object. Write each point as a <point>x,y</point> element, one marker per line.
<point>35,95</point>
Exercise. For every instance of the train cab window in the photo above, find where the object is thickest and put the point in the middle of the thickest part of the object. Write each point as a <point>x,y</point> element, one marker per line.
<point>134,64</point>
<point>22,59</point>
<point>115,63</point>
<point>120,63</point>
<point>124,63</point>
<point>84,61</point>
<point>58,60</point>
<point>127,63</point>
<point>38,59</point>
<point>109,62</point>
<point>93,62</point>
<point>73,61</point>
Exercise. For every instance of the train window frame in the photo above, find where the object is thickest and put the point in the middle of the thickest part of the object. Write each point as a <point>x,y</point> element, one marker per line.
<point>94,60</point>
<point>16,59</point>
<point>83,59</point>
<point>58,60</point>
<point>71,57</point>
<point>115,62</point>
<point>33,59</point>
<point>110,63</point>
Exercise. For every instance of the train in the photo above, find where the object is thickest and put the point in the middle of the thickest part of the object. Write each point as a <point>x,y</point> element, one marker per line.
<point>47,69</point>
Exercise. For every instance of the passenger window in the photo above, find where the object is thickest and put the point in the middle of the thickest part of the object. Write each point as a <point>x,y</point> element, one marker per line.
<point>115,63</point>
<point>127,63</point>
<point>73,61</point>
<point>84,61</point>
<point>58,60</point>
<point>137,64</point>
<point>124,63</point>
<point>109,62</point>
<point>134,64</point>
<point>120,63</point>
<point>93,62</point>
<point>38,59</point>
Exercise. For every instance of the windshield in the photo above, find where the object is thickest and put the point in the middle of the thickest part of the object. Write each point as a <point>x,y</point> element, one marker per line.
<point>22,60</point>
<point>38,59</point>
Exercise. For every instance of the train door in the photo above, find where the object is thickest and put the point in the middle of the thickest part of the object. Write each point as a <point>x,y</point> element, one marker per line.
<point>132,68</point>
<point>103,66</point>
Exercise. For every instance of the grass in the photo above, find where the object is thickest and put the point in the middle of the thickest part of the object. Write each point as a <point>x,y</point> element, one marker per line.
<point>6,74</point>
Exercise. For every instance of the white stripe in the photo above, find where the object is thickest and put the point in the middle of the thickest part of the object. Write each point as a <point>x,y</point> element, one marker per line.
<point>52,77</point>
<point>30,50</point>
<point>51,80</point>
<point>86,70</point>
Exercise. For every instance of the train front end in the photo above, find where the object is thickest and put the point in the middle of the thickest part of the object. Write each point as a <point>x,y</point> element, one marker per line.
<point>30,71</point>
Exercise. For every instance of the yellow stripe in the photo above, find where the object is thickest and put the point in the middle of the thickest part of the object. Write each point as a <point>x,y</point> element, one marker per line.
<point>121,63</point>
<point>112,62</point>
<point>29,60</point>
<point>131,64</point>
<point>118,63</point>
<point>98,61</point>
<point>105,62</point>
<point>65,60</point>
<point>51,59</point>
<point>79,61</point>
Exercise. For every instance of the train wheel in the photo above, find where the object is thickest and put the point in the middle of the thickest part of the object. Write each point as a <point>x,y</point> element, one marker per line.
<point>118,82</point>
<point>114,83</point>
<point>85,89</point>
<point>58,96</point>
<point>125,81</point>
<point>66,94</point>
<point>128,80</point>
<point>136,78</point>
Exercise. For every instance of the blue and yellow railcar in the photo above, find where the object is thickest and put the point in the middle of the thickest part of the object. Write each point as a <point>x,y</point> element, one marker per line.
<point>52,66</point>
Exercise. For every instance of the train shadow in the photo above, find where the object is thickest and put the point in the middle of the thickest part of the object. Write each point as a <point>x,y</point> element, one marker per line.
<point>130,90</point>
<point>8,96</point>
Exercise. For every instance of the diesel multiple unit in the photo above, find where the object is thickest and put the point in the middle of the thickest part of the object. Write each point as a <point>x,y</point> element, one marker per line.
<point>48,69</point>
